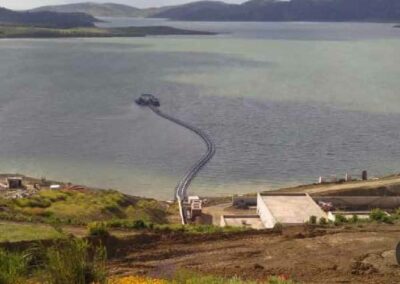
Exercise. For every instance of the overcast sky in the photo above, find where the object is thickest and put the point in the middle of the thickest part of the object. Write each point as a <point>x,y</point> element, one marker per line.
<point>27,4</point>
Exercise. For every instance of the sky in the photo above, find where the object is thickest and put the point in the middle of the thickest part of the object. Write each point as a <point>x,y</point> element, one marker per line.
<point>27,4</point>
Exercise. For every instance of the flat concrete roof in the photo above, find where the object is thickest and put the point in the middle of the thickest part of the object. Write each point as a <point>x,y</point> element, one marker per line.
<point>292,208</point>
<point>253,221</point>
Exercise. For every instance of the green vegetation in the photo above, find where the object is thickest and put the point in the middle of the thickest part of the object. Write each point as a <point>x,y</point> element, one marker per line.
<point>8,31</point>
<point>380,216</point>
<point>68,261</point>
<point>12,267</point>
<point>278,228</point>
<point>198,229</point>
<point>313,220</point>
<point>340,219</point>
<point>83,207</point>
<point>98,229</point>
<point>323,221</point>
<point>171,228</point>
<point>25,232</point>
<point>74,261</point>
<point>354,219</point>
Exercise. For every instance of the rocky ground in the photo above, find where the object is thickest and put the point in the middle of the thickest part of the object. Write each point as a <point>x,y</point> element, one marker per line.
<point>352,254</point>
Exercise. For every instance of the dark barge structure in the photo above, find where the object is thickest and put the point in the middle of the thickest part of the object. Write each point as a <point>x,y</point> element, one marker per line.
<point>148,100</point>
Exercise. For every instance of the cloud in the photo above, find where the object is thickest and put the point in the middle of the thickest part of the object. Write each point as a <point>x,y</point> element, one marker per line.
<point>27,4</point>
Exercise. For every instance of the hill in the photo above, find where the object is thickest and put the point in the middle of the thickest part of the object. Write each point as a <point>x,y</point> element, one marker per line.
<point>46,19</point>
<point>102,9</point>
<point>202,11</point>
<point>294,10</point>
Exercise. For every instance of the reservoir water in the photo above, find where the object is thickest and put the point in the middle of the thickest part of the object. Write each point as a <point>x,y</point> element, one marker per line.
<point>284,102</point>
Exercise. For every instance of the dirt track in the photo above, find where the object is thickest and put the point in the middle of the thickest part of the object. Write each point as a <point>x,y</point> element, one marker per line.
<point>352,255</point>
<point>388,182</point>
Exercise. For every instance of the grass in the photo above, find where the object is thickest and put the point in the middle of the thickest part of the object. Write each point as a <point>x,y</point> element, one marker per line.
<point>24,232</point>
<point>13,266</point>
<point>68,261</point>
<point>198,229</point>
<point>83,207</point>
<point>169,228</point>
<point>74,261</point>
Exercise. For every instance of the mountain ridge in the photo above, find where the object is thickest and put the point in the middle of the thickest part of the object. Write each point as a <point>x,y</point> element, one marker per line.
<point>294,10</point>
<point>101,9</point>
<point>46,19</point>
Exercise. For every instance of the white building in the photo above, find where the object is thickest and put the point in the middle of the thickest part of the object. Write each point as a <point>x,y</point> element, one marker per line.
<point>287,209</point>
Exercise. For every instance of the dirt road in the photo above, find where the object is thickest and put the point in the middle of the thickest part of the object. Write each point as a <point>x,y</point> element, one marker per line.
<point>391,182</point>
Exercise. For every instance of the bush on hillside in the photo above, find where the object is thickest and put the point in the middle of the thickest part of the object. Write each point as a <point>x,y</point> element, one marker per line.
<point>74,261</point>
<point>98,229</point>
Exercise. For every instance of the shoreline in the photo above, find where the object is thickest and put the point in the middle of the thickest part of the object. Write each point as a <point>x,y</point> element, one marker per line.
<point>312,188</point>
<point>27,32</point>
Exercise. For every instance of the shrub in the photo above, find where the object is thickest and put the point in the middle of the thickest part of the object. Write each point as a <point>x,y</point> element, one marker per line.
<point>397,212</point>
<point>354,219</point>
<point>377,215</point>
<point>36,201</point>
<point>313,220</point>
<point>98,229</point>
<point>323,221</point>
<point>339,219</point>
<point>73,261</point>
<point>13,267</point>
<point>388,219</point>
<point>278,228</point>
<point>129,224</point>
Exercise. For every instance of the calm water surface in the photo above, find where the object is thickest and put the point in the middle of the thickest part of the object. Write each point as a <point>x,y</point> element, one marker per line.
<point>284,102</point>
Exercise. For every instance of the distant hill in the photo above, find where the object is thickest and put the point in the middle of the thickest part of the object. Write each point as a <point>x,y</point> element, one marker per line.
<point>202,11</point>
<point>46,19</point>
<point>294,10</point>
<point>102,9</point>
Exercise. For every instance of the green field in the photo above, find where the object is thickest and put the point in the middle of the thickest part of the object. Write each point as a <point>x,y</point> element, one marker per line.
<point>14,232</point>
<point>83,207</point>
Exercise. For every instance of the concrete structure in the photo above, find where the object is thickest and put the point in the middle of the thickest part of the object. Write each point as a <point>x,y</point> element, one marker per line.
<point>14,182</point>
<point>287,209</point>
<point>244,201</point>
<point>247,221</point>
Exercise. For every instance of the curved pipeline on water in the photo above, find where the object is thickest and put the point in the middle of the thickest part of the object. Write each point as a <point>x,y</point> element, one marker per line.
<point>183,185</point>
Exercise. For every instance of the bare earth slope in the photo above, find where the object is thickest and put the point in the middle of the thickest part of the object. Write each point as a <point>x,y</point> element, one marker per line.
<point>327,256</point>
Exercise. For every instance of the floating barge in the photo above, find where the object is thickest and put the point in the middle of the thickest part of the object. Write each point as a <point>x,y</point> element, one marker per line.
<point>148,100</point>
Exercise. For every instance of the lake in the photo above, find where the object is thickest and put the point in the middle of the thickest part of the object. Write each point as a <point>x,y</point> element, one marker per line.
<point>284,102</point>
